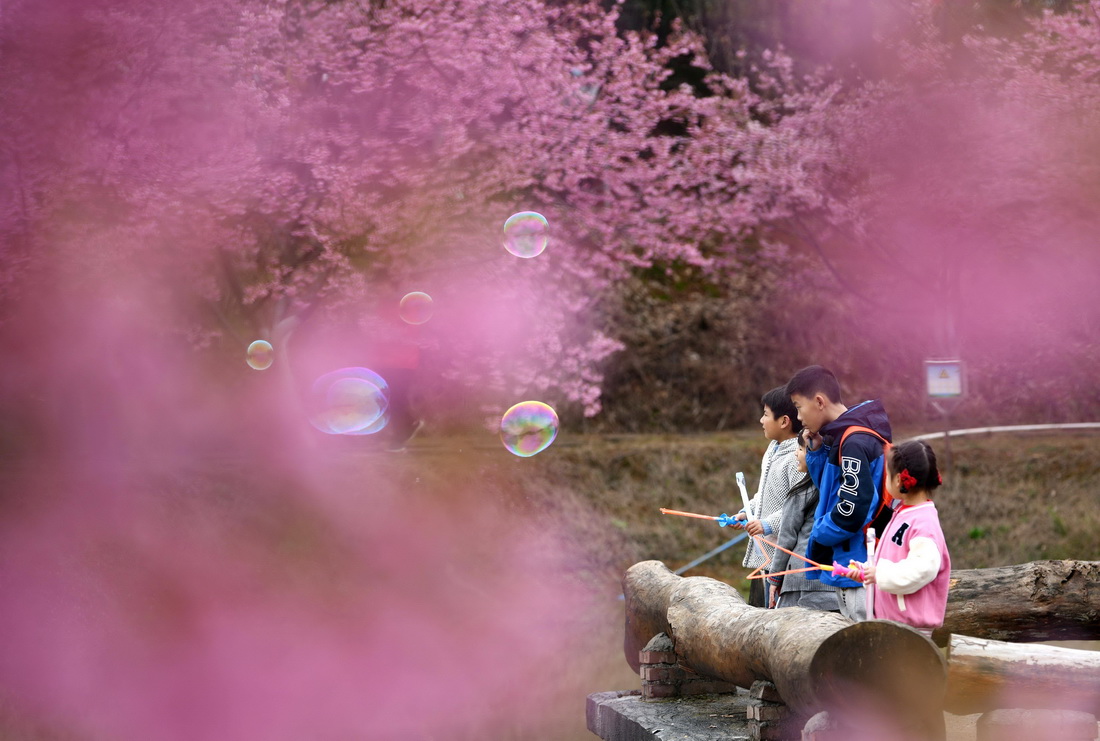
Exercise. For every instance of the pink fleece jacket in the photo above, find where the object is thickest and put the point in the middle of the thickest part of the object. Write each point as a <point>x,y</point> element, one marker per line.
<point>912,568</point>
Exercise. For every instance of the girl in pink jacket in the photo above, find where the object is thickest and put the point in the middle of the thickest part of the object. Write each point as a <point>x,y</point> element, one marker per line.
<point>912,567</point>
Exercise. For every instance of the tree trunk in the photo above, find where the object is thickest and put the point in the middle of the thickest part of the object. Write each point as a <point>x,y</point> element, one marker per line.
<point>1038,601</point>
<point>814,658</point>
<point>984,675</point>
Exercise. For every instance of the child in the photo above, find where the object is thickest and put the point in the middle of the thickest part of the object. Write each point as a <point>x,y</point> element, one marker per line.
<point>912,567</point>
<point>849,480</point>
<point>778,473</point>
<point>795,590</point>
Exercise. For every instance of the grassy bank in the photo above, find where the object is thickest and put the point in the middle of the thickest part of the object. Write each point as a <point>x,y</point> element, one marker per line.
<point>1007,498</point>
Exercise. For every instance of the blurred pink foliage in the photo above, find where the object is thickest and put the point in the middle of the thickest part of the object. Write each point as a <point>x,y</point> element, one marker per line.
<point>144,604</point>
<point>956,207</point>
<point>968,168</point>
<point>251,158</point>
<point>182,177</point>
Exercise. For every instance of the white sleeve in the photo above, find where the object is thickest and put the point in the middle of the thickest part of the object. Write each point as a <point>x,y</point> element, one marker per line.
<point>916,570</point>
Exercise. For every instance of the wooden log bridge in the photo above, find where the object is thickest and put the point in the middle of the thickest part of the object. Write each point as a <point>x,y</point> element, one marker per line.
<point>815,659</point>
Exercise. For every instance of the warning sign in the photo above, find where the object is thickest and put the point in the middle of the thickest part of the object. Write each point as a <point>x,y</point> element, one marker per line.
<point>945,378</point>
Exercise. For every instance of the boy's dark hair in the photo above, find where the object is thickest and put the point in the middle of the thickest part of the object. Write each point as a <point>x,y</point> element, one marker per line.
<point>918,458</point>
<point>813,380</point>
<point>779,401</point>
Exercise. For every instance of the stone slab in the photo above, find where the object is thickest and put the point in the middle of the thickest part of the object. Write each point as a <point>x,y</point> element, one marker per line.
<point>624,716</point>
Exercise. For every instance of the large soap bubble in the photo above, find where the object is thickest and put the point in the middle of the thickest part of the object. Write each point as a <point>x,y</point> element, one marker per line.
<point>526,234</point>
<point>528,428</point>
<point>416,307</point>
<point>349,401</point>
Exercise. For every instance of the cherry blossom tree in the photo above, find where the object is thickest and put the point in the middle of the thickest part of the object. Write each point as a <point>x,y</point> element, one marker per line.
<point>954,214</point>
<point>261,159</point>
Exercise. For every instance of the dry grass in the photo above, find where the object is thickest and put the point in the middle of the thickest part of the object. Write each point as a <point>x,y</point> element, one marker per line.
<point>1007,498</point>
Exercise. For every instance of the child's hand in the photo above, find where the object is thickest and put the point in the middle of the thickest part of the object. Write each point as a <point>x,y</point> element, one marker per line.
<point>774,585</point>
<point>812,439</point>
<point>855,570</point>
<point>868,574</point>
<point>755,527</point>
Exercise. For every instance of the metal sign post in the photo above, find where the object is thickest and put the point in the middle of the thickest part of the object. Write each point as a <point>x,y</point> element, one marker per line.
<point>946,381</point>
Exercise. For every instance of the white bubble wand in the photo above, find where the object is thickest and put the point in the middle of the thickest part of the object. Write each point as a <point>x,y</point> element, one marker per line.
<point>744,495</point>
<point>871,560</point>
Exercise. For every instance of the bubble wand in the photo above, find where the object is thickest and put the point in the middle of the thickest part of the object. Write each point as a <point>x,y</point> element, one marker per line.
<point>744,495</point>
<point>870,587</point>
<point>725,520</point>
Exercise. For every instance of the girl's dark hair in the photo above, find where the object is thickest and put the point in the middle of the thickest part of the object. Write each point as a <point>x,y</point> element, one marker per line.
<point>918,458</point>
<point>779,401</point>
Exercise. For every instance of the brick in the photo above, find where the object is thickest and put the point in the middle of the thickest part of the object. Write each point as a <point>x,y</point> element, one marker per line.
<point>659,691</point>
<point>657,657</point>
<point>659,673</point>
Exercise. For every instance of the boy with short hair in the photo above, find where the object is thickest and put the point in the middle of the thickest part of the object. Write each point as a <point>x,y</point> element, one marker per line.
<point>849,481</point>
<point>778,473</point>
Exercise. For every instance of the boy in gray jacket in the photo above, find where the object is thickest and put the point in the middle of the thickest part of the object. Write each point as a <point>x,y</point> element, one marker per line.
<point>778,473</point>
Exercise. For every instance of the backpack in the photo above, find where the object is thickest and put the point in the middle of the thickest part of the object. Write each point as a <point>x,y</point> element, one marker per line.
<point>884,512</point>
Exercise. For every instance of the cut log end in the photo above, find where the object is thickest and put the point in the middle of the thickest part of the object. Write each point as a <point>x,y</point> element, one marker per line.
<point>881,664</point>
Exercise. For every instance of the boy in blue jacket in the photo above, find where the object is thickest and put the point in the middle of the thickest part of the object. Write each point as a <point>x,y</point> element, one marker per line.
<point>850,486</point>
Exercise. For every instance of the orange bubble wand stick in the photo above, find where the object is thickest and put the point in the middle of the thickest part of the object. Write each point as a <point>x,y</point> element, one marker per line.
<point>687,514</point>
<point>760,573</point>
<point>723,520</point>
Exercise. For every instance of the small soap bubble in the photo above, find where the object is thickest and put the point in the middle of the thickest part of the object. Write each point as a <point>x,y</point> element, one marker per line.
<point>349,401</point>
<point>260,355</point>
<point>416,307</point>
<point>526,234</point>
<point>528,428</point>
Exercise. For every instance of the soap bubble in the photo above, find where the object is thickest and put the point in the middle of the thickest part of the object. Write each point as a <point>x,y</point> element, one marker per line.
<point>528,428</point>
<point>376,426</point>
<point>349,401</point>
<point>525,234</point>
<point>416,307</point>
<point>260,355</point>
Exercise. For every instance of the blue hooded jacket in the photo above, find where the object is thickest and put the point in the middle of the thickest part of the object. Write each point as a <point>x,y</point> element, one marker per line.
<point>851,489</point>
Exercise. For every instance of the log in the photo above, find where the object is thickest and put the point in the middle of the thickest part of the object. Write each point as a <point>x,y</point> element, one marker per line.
<point>817,659</point>
<point>813,658</point>
<point>1037,601</point>
<point>984,675</point>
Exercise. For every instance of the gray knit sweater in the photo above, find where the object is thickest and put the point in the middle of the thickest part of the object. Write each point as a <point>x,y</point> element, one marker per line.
<point>778,474</point>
